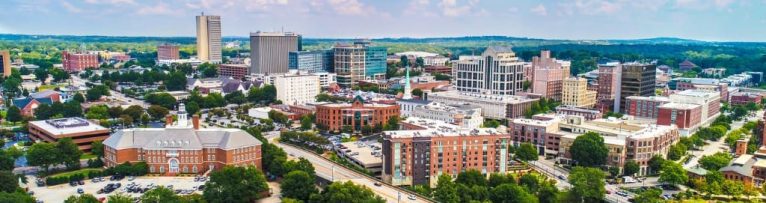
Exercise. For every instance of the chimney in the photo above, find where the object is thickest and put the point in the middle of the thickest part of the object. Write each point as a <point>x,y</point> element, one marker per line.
<point>195,121</point>
<point>168,120</point>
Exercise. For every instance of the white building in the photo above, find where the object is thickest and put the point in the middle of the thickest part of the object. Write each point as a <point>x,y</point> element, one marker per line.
<point>492,106</point>
<point>407,106</point>
<point>259,113</point>
<point>497,72</point>
<point>297,88</point>
<point>466,116</point>
<point>326,79</point>
<point>709,100</point>
<point>435,60</point>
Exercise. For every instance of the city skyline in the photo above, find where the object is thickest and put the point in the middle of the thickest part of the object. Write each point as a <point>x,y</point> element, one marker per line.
<point>554,19</point>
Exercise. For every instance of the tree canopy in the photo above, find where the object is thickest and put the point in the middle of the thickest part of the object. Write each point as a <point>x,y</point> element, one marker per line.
<point>589,150</point>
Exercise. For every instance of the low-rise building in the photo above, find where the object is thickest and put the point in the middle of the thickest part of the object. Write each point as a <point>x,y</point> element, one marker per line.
<point>354,116</point>
<point>182,147</point>
<point>647,107</point>
<point>492,106</point>
<point>589,114</point>
<point>236,71</point>
<point>466,116</point>
<point>575,93</point>
<point>82,132</point>
<point>742,98</point>
<point>76,62</point>
<point>687,117</point>
<point>296,88</point>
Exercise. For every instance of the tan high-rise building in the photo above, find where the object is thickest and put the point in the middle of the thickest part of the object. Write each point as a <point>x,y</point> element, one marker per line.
<point>209,38</point>
<point>270,51</point>
<point>498,71</point>
<point>575,93</point>
<point>547,75</point>
<point>5,63</point>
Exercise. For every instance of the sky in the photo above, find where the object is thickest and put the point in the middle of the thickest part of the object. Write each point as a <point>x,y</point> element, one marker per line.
<point>711,20</point>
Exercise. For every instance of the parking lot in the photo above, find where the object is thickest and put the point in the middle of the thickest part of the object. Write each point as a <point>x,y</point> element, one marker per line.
<point>60,192</point>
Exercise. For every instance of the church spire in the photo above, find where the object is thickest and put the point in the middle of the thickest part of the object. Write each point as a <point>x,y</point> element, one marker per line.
<point>407,87</point>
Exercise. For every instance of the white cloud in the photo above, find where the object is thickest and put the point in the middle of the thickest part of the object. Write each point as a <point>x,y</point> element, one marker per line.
<point>159,9</point>
<point>69,7</point>
<point>419,7</point>
<point>539,10</point>
<point>350,7</point>
<point>723,3</point>
<point>110,1</point>
<point>452,9</point>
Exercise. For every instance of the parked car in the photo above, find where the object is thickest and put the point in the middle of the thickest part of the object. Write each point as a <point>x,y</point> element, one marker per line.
<point>377,184</point>
<point>412,197</point>
<point>80,191</point>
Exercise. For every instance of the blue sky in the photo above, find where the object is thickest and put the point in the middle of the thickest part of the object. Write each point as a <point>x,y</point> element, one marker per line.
<point>718,20</point>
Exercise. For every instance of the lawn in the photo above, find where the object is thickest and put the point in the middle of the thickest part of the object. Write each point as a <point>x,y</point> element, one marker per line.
<point>83,171</point>
<point>48,87</point>
<point>87,156</point>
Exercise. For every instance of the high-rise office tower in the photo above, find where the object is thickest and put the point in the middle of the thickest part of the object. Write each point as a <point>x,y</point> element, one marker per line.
<point>5,63</point>
<point>575,93</point>
<point>498,71</point>
<point>547,75</point>
<point>359,61</point>
<point>209,38</point>
<point>638,79</point>
<point>270,51</point>
<point>609,75</point>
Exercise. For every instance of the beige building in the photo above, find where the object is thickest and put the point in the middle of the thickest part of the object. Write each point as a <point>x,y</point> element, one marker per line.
<point>5,63</point>
<point>575,93</point>
<point>297,88</point>
<point>269,51</point>
<point>209,38</point>
<point>497,72</point>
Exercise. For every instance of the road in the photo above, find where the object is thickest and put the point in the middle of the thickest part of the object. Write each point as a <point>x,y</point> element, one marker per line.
<point>719,145</point>
<point>77,81</point>
<point>548,168</point>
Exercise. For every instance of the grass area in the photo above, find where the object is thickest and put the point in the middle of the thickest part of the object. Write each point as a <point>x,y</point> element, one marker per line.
<point>87,156</point>
<point>49,87</point>
<point>80,171</point>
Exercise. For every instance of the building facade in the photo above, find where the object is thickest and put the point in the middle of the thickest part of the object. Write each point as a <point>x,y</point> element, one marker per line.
<point>76,62</point>
<point>182,148</point>
<point>167,52</point>
<point>742,98</point>
<point>236,71</point>
<point>311,61</point>
<point>269,51</point>
<point>589,114</point>
<point>647,107</point>
<point>419,156</point>
<point>638,79</point>
<point>465,116</point>
<point>684,116</point>
<point>492,106</point>
<point>497,72</point>
<point>548,74</point>
<point>297,88</point>
<point>5,63</point>
<point>354,116</point>
<point>82,132</point>
<point>575,93</point>
<point>359,61</point>
<point>209,38</point>
<point>609,83</point>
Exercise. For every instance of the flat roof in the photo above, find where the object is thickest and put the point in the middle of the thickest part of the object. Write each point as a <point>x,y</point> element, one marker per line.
<point>679,106</point>
<point>436,128</point>
<point>63,126</point>
<point>508,99</point>
<point>365,156</point>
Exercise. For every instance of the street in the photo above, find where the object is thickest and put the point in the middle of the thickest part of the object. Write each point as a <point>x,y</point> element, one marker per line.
<point>77,81</point>
<point>719,145</point>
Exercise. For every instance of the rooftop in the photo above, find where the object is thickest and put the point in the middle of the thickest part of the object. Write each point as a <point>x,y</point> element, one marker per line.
<point>63,126</point>
<point>649,98</point>
<point>180,138</point>
<point>679,106</point>
<point>508,99</point>
<point>365,155</point>
<point>435,128</point>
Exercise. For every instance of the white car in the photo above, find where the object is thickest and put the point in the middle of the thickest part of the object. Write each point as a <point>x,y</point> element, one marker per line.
<point>412,197</point>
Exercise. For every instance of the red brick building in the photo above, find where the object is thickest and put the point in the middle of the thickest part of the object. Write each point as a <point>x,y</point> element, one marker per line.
<point>183,149</point>
<point>236,71</point>
<point>446,70</point>
<point>742,98</point>
<point>684,116</point>
<point>646,107</point>
<point>75,62</point>
<point>167,52</point>
<point>82,132</point>
<point>355,115</point>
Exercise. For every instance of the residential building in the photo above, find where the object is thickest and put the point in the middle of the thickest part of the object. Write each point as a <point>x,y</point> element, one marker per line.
<point>709,84</point>
<point>446,70</point>
<point>82,132</point>
<point>687,117</point>
<point>183,148</point>
<point>359,61</point>
<point>492,106</point>
<point>269,51</point>
<point>437,60</point>
<point>548,75</point>
<point>354,116</point>
<point>742,98</point>
<point>5,63</point>
<point>756,77</point>
<point>535,132</point>
<point>497,72</point>
<point>297,88</point>
<point>714,72</point>
<point>465,116</point>
<point>575,93</point>
<point>311,61</point>
<point>432,148</point>
<point>709,101</point>
<point>589,114</point>
<point>686,65</point>
<point>68,92</point>
<point>609,83</point>
<point>167,52</point>
<point>209,38</point>
<point>647,107</point>
<point>236,71</point>
<point>326,79</point>
<point>76,62</point>
<point>638,79</point>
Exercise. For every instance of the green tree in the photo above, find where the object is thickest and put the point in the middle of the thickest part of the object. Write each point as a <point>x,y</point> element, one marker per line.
<point>96,92</point>
<point>496,179</point>
<point>119,198</point>
<point>235,184</point>
<point>346,192</point>
<point>306,122</point>
<point>526,85</point>
<point>69,152</point>
<point>512,193</point>
<point>160,194</point>
<point>527,152</point>
<point>491,123</point>
<point>134,111</point>
<point>43,155</point>
<point>16,197</point>
<point>175,81</point>
<point>97,148</point>
<point>78,97</point>
<point>393,123</point>
<point>676,151</point>
<point>587,184</point>
<point>84,198</point>
<point>417,92</point>
<point>163,99</point>
<point>115,112</point>
<point>192,108</point>
<point>72,109</point>
<point>715,161</point>
<point>236,97</point>
<point>157,112</point>
<point>471,177</point>
<point>213,100</point>
<point>97,112</point>
<point>652,195</point>
<point>43,112</point>
<point>630,168</point>
<point>446,190</point>
<point>589,150</point>
<point>8,181</point>
<point>298,185</point>
<point>655,164</point>
<point>673,173</point>
<point>13,115</point>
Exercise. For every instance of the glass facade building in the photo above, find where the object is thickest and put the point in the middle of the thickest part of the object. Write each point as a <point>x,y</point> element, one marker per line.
<point>312,61</point>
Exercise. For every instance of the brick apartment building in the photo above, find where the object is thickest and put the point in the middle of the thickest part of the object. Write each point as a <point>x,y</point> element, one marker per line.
<point>167,52</point>
<point>742,98</point>
<point>75,62</point>
<point>236,71</point>
<point>684,116</point>
<point>82,132</point>
<point>646,107</point>
<point>183,149</point>
<point>418,156</point>
<point>355,115</point>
